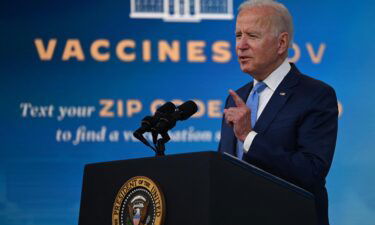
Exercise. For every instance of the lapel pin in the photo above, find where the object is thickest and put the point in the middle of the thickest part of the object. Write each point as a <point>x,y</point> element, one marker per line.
<point>282,93</point>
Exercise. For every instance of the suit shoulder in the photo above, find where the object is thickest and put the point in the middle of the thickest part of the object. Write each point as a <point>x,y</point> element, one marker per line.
<point>312,85</point>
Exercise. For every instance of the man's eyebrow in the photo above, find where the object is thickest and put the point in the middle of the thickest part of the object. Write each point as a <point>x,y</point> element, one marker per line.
<point>253,32</point>
<point>248,32</point>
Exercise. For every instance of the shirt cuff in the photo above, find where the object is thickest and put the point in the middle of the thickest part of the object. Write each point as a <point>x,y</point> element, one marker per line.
<point>249,140</point>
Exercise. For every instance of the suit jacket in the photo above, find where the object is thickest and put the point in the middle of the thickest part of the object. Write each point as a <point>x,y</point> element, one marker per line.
<point>296,137</point>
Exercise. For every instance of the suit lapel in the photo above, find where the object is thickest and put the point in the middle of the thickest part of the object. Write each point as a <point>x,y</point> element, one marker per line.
<point>281,95</point>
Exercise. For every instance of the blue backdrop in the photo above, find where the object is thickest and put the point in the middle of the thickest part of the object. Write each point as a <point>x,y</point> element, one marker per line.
<point>78,76</point>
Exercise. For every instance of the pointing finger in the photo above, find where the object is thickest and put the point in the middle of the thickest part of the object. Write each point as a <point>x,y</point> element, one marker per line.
<point>237,99</point>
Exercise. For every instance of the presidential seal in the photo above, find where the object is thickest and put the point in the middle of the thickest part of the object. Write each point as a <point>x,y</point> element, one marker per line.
<point>139,202</point>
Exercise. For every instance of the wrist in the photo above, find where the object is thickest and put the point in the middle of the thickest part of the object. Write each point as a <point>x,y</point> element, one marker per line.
<point>244,136</point>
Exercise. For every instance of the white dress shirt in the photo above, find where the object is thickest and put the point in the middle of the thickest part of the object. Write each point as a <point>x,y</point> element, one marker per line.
<point>272,82</point>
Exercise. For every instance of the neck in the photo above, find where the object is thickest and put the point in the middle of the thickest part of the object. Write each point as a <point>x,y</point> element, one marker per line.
<point>270,68</point>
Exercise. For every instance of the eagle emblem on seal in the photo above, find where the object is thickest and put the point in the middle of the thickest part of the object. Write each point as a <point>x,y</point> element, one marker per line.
<point>138,210</point>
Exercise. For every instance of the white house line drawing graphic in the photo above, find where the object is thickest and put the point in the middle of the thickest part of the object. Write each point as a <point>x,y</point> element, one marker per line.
<point>182,10</point>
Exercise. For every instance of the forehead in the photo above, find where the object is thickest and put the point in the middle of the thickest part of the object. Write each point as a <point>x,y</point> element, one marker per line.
<point>256,17</point>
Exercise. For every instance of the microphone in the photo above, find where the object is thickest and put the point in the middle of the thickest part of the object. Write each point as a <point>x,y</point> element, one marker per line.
<point>148,122</point>
<point>168,121</point>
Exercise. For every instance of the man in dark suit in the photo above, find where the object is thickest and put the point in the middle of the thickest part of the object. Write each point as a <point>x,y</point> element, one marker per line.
<point>283,122</point>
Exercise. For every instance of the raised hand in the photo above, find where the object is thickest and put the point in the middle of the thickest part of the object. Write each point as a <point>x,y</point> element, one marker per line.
<point>239,117</point>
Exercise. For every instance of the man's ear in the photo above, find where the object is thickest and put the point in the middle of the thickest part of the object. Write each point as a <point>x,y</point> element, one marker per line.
<point>283,42</point>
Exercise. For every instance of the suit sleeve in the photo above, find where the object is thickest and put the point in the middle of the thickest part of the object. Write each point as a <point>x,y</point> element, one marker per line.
<point>309,163</point>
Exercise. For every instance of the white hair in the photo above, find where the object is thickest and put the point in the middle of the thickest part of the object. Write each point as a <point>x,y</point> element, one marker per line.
<point>281,21</point>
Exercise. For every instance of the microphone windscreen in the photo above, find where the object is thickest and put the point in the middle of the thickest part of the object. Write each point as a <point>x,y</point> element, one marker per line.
<point>168,107</point>
<point>187,109</point>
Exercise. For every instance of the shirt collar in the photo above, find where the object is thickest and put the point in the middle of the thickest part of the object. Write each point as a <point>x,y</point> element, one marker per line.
<point>275,78</point>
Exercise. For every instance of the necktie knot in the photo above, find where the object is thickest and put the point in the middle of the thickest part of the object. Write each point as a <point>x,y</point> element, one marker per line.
<point>259,87</point>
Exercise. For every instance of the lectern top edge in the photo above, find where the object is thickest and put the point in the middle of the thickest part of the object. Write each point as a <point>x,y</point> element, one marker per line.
<point>267,175</point>
<point>249,167</point>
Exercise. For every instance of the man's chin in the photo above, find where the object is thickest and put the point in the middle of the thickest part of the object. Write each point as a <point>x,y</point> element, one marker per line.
<point>246,69</point>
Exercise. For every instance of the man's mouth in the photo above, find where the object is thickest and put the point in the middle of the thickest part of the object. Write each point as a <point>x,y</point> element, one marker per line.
<point>244,58</point>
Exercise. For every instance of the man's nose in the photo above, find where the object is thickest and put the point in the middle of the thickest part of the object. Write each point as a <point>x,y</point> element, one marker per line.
<point>242,43</point>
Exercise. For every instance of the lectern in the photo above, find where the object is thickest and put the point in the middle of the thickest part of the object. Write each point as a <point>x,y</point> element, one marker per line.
<point>204,188</point>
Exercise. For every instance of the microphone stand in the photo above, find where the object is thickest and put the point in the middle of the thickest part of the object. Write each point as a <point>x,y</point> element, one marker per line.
<point>160,144</point>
